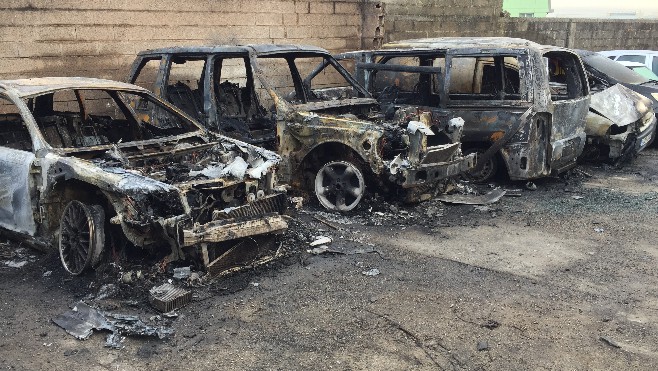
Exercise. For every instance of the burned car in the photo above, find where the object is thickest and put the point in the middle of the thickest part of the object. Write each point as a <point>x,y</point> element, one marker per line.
<point>329,131</point>
<point>82,167</point>
<point>610,83</point>
<point>620,124</point>
<point>524,104</point>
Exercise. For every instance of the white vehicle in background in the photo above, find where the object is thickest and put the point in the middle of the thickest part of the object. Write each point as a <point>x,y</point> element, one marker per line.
<point>641,69</point>
<point>647,57</point>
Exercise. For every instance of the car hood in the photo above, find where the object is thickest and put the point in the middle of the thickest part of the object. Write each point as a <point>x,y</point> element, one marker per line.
<point>648,90</point>
<point>620,105</point>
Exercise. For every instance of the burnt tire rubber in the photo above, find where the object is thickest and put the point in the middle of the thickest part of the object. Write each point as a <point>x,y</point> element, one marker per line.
<point>489,169</point>
<point>81,236</point>
<point>339,186</point>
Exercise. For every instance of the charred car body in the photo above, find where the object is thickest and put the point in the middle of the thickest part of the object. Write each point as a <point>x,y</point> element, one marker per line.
<point>620,124</point>
<point>524,104</point>
<point>620,121</point>
<point>327,129</point>
<point>83,167</point>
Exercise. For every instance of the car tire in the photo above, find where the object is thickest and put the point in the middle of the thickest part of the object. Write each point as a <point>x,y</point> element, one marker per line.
<point>489,169</point>
<point>81,236</point>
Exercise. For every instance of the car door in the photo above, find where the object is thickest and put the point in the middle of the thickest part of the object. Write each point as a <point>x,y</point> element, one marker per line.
<point>569,94</point>
<point>16,163</point>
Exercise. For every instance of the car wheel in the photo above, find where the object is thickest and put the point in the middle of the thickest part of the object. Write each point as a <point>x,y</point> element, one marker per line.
<point>81,236</point>
<point>339,185</point>
<point>489,168</point>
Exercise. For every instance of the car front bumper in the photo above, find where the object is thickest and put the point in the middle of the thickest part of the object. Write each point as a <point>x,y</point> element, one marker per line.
<point>220,230</point>
<point>431,173</point>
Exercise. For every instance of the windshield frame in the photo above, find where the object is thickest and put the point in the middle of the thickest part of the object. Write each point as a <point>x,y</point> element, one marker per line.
<point>123,104</point>
<point>327,60</point>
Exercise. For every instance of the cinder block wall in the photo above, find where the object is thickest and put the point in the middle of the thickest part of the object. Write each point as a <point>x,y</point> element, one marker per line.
<point>410,19</point>
<point>590,34</point>
<point>101,37</point>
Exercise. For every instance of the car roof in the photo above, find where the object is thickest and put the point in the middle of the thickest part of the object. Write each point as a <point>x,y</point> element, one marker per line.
<point>632,52</point>
<point>214,49</point>
<point>632,64</point>
<point>466,42</point>
<point>42,85</point>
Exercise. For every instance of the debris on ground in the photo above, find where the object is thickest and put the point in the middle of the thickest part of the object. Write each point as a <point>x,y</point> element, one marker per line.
<point>106,291</point>
<point>182,273</point>
<point>82,320</point>
<point>168,297</point>
<point>483,345</point>
<point>321,240</point>
<point>16,263</point>
<point>328,224</point>
<point>491,324</point>
<point>371,272</point>
<point>17,258</point>
<point>610,342</point>
<point>470,199</point>
<point>531,186</point>
<point>599,230</point>
<point>513,193</point>
<point>297,202</point>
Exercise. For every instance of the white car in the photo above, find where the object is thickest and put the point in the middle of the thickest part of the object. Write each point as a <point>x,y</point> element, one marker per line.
<point>641,69</point>
<point>647,57</point>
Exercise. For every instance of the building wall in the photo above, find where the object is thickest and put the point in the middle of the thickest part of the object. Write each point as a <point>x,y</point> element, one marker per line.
<point>427,18</point>
<point>590,34</point>
<point>408,19</point>
<point>538,7</point>
<point>101,37</point>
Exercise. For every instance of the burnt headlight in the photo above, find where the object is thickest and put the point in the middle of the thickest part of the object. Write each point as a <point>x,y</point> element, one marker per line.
<point>144,208</point>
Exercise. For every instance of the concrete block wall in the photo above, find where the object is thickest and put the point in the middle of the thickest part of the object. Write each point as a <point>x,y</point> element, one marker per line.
<point>408,19</point>
<point>101,37</point>
<point>590,34</point>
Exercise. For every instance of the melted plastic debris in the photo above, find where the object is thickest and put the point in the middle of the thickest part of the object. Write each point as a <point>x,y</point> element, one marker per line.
<point>82,320</point>
<point>415,126</point>
<point>260,168</point>
<point>210,172</point>
<point>237,168</point>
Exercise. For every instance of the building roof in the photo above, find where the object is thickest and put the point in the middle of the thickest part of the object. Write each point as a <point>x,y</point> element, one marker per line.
<point>42,85</point>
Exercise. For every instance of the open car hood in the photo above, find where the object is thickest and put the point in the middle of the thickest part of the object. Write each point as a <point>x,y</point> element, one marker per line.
<point>620,105</point>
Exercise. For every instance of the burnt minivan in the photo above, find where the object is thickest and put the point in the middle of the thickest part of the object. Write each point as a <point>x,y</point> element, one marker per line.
<point>524,104</point>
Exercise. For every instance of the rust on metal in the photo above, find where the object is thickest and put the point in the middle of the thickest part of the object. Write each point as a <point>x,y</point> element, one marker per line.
<point>332,136</point>
<point>491,83</point>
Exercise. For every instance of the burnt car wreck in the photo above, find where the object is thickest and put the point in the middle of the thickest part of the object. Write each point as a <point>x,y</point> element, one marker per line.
<point>330,133</point>
<point>524,104</point>
<point>620,124</point>
<point>83,168</point>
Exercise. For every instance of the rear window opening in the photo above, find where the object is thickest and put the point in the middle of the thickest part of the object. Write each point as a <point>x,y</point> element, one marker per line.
<point>485,78</point>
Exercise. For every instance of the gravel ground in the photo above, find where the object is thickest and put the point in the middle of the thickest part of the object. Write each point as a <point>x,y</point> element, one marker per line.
<point>562,277</point>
